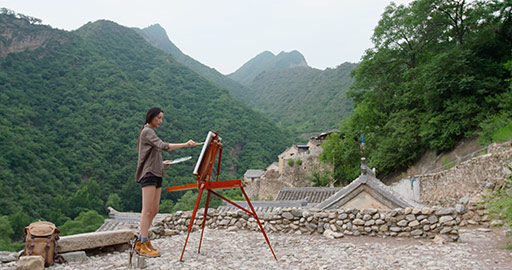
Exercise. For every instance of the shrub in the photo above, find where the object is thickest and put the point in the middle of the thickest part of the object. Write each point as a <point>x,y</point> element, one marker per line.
<point>290,162</point>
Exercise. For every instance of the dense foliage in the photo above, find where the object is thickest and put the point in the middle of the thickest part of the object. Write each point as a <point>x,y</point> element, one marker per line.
<point>303,99</point>
<point>71,110</point>
<point>436,72</point>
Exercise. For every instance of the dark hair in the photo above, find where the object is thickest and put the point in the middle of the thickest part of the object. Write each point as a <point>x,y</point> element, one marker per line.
<point>152,113</point>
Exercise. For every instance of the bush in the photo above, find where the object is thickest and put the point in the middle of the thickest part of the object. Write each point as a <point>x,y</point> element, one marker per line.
<point>88,221</point>
<point>290,162</point>
<point>299,162</point>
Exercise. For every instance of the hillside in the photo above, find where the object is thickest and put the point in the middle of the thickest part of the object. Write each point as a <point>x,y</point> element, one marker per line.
<point>267,61</point>
<point>72,105</point>
<point>428,84</point>
<point>157,37</point>
<point>303,99</point>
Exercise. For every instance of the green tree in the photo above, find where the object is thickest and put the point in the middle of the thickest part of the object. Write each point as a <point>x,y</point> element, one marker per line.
<point>88,221</point>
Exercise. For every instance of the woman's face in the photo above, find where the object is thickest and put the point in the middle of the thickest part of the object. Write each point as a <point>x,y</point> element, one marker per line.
<point>157,120</point>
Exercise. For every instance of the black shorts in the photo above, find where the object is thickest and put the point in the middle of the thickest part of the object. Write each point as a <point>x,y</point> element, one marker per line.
<point>151,181</point>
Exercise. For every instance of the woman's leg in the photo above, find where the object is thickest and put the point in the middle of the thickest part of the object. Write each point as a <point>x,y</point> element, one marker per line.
<point>148,207</point>
<point>156,202</point>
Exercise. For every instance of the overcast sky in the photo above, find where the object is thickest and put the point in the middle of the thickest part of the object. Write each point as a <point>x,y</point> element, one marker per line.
<point>224,34</point>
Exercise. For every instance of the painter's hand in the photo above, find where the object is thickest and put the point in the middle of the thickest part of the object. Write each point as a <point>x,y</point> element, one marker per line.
<point>190,143</point>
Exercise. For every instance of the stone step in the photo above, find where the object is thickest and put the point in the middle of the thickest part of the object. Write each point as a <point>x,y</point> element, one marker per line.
<point>92,240</point>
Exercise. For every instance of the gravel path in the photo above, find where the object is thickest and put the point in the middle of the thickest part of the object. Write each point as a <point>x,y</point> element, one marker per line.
<point>248,250</point>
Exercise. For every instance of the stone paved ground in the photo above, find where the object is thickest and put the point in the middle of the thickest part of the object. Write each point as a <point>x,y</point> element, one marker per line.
<point>248,250</point>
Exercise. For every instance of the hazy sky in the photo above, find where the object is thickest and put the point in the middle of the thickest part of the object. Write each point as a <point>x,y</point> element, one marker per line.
<point>224,34</point>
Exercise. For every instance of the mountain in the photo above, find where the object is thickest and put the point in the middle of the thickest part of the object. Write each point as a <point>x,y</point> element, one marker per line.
<point>157,37</point>
<point>303,99</point>
<point>267,61</point>
<point>72,106</point>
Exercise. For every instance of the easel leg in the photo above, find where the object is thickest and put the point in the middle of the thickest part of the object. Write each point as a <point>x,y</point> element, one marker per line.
<point>259,223</point>
<point>204,220</point>
<point>192,220</point>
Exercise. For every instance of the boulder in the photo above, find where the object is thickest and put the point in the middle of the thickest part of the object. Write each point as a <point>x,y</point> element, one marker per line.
<point>30,263</point>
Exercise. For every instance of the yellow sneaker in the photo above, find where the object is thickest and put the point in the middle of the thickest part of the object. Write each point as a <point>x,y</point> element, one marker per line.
<point>137,246</point>
<point>151,246</point>
<point>146,250</point>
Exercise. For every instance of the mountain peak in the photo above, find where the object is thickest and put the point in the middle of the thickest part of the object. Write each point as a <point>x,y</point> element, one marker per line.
<point>266,61</point>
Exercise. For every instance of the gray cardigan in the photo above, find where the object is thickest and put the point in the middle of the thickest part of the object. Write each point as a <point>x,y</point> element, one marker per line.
<point>150,158</point>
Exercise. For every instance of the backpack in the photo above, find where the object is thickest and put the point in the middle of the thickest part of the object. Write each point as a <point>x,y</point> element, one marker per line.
<point>41,239</point>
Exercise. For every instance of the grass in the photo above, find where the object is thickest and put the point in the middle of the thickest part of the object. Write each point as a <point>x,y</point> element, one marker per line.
<point>499,205</point>
<point>502,134</point>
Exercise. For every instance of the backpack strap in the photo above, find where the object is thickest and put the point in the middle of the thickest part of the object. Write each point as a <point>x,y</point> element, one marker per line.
<point>47,249</point>
<point>31,247</point>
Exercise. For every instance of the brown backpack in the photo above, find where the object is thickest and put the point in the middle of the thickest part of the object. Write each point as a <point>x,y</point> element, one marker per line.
<point>41,239</point>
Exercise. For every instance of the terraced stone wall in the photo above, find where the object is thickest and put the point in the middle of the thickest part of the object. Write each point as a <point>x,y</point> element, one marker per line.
<point>408,222</point>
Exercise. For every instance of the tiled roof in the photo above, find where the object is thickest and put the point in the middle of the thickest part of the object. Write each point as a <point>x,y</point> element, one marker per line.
<point>310,194</point>
<point>123,220</point>
<point>386,195</point>
<point>254,173</point>
<point>263,206</point>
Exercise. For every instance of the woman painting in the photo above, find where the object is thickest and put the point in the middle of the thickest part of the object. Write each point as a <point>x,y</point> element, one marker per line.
<point>150,170</point>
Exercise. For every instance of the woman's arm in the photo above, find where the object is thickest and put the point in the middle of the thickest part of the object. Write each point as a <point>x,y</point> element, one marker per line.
<point>190,143</point>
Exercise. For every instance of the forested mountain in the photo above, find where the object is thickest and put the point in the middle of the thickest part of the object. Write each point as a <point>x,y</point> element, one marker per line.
<point>71,108</point>
<point>267,61</point>
<point>437,73</point>
<point>302,99</point>
<point>157,36</point>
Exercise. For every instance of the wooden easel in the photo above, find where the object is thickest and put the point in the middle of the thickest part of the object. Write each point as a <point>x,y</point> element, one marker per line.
<point>203,183</point>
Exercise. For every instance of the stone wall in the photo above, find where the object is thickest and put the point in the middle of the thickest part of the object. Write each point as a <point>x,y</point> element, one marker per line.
<point>408,222</point>
<point>468,178</point>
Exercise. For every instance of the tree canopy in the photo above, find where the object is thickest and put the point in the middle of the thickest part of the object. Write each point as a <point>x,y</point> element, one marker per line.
<point>435,73</point>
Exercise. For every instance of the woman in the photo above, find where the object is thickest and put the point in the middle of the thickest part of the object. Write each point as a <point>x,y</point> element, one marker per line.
<point>150,170</point>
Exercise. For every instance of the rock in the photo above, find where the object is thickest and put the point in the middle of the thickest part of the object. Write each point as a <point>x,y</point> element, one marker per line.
<point>446,230</point>
<point>223,222</point>
<point>432,219</point>
<point>332,235</point>
<point>417,232</point>
<point>410,217</point>
<point>414,223</point>
<point>402,223</point>
<point>30,263</point>
<point>383,228</point>
<point>369,222</point>
<point>483,230</point>
<point>75,256</point>
<point>287,215</point>
<point>7,257</point>
<point>439,240</point>
<point>497,223</point>
<point>232,228</point>
<point>490,185</point>
<point>506,171</point>
<point>358,221</point>
<point>296,213</point>
<point>464,200</point>
<point>460,209</point>
<point>426,211</point>
<point>169,232</point>
<point>445,211</point>
<point>342,216</point>
<point>395,229</point>
<point>445,219</point>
